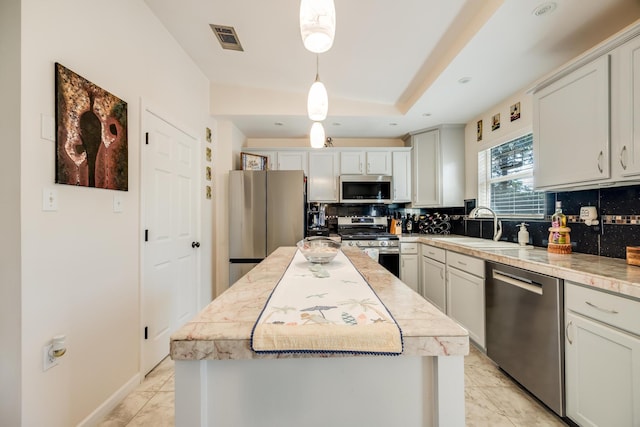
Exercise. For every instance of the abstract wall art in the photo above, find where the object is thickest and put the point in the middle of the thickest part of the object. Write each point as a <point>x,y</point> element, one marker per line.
<point>91,134</point>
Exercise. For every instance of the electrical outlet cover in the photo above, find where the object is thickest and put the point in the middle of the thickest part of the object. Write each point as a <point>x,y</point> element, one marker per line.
<point>48,362</point>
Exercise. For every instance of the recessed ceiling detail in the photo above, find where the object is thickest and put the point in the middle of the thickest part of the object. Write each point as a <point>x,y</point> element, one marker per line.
<point>227,37</point>
<point>374,79</point>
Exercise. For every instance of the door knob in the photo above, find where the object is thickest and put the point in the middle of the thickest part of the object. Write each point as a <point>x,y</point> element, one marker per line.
<point>195,244</point>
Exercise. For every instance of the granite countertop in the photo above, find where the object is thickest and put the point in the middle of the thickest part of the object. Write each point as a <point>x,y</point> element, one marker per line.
<point>222,330</point>
<point>610,274</point>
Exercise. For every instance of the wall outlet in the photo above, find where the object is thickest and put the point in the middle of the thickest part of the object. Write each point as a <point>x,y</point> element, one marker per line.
<point>48,361</point>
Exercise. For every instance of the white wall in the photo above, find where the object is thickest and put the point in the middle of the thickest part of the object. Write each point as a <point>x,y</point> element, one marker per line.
<point>80,265</point>
<point>230,142</point>
<point>508,130</point>
<point>10,246</point>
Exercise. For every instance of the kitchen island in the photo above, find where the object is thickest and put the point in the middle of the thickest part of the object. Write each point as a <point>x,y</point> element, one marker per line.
<point>221,381</point>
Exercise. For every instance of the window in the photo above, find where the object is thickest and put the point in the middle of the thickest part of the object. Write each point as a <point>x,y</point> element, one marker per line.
<point>505,179</point>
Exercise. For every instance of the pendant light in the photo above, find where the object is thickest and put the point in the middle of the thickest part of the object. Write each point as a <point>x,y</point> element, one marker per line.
<point>317,24</point>
<point>318,100</point>
<point>317,135</point>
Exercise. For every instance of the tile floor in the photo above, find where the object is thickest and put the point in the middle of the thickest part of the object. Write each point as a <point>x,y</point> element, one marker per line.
<point>491,398</point>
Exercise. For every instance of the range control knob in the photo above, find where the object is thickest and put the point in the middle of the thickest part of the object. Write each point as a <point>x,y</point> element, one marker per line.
<point>372,243</point>
<point>384,243</point>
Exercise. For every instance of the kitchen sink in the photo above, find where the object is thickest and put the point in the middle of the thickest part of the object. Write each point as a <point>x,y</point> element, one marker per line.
<point>476,242</point>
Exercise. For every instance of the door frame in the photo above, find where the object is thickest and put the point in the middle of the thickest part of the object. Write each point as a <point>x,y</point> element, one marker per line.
<point>147,108</point>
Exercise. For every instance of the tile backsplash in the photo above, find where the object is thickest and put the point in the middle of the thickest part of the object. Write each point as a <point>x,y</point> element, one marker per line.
<point>618,215</point>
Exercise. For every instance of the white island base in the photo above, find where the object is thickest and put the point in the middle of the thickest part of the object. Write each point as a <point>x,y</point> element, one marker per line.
<point>371,391</point>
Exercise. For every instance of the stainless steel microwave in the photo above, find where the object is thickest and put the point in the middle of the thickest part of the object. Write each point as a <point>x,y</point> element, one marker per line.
<point>365,189</point>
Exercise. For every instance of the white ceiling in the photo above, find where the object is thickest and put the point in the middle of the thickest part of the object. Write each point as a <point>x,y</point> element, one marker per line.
<point>394,62</point>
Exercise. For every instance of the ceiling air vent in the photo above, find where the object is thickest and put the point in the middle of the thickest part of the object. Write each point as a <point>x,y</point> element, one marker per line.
<point>227,37</point>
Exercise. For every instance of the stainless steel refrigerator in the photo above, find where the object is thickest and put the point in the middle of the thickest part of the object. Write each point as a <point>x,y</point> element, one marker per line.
<point>266,211</point>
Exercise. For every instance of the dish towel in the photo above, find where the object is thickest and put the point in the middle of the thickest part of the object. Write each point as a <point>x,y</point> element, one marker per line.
<point>325,308</point>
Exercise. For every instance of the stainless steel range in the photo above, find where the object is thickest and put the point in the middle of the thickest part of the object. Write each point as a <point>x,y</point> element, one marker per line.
<point>371,232</point>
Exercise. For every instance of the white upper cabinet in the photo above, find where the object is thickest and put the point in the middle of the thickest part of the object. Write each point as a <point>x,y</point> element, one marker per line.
<point>571,127</point>
<point>293,160</point>
<point>323,176</point>
<point>352,162</point>
<point>401,176</point>
<point>438,167</point>
<point>379,162</point>
<point>625,109</point>
<point>585,122</point>
<point>365,162</point>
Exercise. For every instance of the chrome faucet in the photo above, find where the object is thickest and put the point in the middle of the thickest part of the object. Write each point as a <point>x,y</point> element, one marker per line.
<point>497,224</point>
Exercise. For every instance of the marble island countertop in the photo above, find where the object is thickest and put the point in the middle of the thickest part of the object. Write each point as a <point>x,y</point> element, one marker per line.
<point>222,330</point>
<point>610,274</point>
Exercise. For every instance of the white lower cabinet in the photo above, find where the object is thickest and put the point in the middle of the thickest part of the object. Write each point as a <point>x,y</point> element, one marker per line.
<point>409,265</point>
<point>602,358</point>
<point>433,276</point>
<point>465,294</point>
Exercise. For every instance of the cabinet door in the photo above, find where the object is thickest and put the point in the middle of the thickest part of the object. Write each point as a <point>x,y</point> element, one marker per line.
<point>323,177</point>
<point>573,112</point>
<point>401,176</point>
<point>602,374</point>
<point>625,109</point>
<point>426,169</point>
<point>292,160</point>
<point>409,271</point>
<point>433,282</point>
<point>379,162</point>
<point>465,302</point>
<point>351,162</point>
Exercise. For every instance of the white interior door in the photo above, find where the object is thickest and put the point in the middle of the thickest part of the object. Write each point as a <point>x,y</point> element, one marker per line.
<point>169,251</point>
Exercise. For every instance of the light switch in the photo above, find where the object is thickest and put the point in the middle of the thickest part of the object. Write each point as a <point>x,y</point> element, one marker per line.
<point>47,127</point>
<point>117,203</point>
<point>49,199</point>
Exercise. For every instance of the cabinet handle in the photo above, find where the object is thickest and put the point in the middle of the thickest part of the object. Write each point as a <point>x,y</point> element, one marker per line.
<point>606,310</point>
<point>442,273</point>
<point>566,332</point>
<point>623,154</point>
<point>462,263</point>
<point>600,161</point>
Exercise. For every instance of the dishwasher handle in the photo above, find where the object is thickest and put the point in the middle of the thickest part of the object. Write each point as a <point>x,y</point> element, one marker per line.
<point>525,284</point>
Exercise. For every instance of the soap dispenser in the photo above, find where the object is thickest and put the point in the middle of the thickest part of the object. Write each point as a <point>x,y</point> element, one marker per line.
<point>523,235</point>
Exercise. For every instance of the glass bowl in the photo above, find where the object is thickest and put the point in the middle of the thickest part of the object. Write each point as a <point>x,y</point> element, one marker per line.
<point>318,249</point>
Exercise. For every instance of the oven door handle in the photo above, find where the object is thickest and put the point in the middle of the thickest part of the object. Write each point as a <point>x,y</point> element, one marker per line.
<point>520,283</point>
<point>388,251</point>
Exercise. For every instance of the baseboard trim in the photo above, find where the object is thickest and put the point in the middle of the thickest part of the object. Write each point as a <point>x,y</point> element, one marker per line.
<point>107,406</point>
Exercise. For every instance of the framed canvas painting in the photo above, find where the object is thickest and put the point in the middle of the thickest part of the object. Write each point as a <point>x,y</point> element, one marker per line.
<point>91,134</point>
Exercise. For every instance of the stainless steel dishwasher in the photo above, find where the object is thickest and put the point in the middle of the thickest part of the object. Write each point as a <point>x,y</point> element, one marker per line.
<point>524,328</point>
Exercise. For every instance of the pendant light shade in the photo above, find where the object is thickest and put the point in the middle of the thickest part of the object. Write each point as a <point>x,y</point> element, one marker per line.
<point>317,102</point>
<point>317,24</point>
<point>317,135</point>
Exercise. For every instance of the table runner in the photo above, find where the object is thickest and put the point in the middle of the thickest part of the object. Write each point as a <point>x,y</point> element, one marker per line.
<point>325,308</point>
